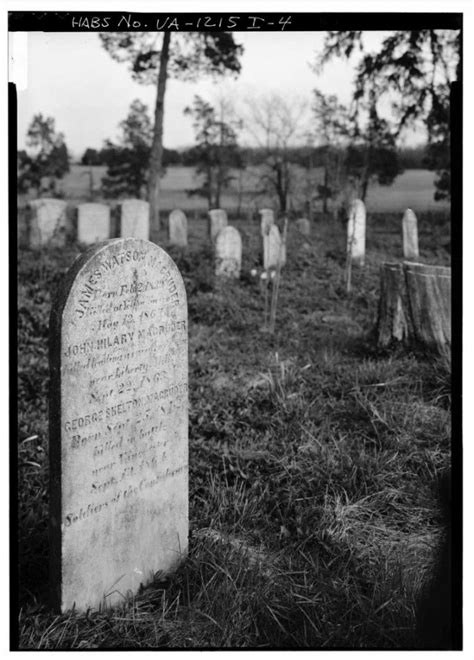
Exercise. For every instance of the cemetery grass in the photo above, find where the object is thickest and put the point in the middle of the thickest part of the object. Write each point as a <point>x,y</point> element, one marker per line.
<point>313,459</point>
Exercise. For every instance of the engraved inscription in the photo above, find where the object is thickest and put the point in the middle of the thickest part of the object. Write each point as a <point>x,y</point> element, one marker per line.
<point>124,407</point>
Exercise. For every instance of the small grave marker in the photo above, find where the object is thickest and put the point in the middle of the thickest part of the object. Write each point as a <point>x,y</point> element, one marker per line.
<point>356,232</point>
<point>228,252</point>
<point>178,228</point>
<point>118,424</point>
<point>47,222</point>
<point>93,223</point>
<point>273,249</point>
<point>135,219</point>
<point>410,235</point>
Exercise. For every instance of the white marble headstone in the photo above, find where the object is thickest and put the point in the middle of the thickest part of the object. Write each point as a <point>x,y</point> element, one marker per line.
<point>118,424</point>
<point>274,251</point>
<point>178,228</point>
<point>356,232</point>
<point>48,222</point>
<point>93,223</point>
<point>135,219</point>
<point>410,235</point>
<point>228,252</point>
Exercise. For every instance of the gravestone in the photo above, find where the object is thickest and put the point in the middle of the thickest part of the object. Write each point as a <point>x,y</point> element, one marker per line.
<point>47,222</point>
<point>266,221</point>
<point>178,228</point>
<point>410,235</point>
<point>356,232</point>
<point>217,221</point>
<point>228,252</point>
<point>273,249</point>
<point>118,424</point>
<point>93,223</point>
<point>303,226</point>
<point>135,219</point>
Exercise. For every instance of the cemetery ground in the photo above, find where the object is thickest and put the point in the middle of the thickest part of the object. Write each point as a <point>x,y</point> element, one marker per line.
<point>312,457</point>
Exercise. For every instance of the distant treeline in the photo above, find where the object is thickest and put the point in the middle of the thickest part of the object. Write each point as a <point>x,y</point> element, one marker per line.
<point>410,158</point>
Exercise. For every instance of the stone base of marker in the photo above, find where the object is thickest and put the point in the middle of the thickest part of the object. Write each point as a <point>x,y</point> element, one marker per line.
<point>415,305</point>
<point>118,424</point>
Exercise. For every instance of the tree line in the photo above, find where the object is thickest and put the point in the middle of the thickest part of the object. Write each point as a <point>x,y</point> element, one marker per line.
<point>354,145</point>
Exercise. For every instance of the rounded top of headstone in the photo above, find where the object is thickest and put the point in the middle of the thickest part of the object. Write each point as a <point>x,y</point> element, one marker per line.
<point>409,215</point>
<point>111,259</point>
<point>177,214</point>
<point>228,233</point>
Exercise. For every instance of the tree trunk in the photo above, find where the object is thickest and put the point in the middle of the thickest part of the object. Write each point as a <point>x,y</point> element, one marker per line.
<point>429,302</point>
<point>156,155</point>
<point>415,304</point>
<point>392,322</point>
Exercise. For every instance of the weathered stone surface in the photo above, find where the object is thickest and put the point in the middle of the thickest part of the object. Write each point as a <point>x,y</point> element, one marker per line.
<point>429,302</point>
<point>217,221</point>
<point>303,226</point>
<point>273,249</point>
<point>178,228</point>
<point>266,221</point>
<point>410,235</point>
<point>93,223</point>
<point>356,232</point>
<point>47,222</point>
<point>118,423</point>
<point>228,252</point>
<point>135,219</point>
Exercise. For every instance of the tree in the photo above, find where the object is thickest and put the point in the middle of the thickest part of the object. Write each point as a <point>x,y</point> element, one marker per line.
<point>46,154</point>
<point>92,157</point>
<point>216,150</point>
<point>358,148</point>
<point>277,125</point>
<point>184,56</point>
<point>412,72</point>
<point>331,127</point>
<point>128,161</point>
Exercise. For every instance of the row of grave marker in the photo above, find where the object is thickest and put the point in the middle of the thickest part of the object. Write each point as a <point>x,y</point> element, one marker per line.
<point>48,224</point>
<point>119,413</point>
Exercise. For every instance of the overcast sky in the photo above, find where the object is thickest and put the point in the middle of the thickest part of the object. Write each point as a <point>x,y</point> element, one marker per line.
<point>73,79</point>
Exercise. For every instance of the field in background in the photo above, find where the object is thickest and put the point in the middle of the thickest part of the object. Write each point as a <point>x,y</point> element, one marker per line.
<point>413,189</point>
<point>313,457</point>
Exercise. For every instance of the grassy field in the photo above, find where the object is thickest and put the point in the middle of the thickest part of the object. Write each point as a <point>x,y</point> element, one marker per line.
<point>313,458</point>
<point>413,189</point>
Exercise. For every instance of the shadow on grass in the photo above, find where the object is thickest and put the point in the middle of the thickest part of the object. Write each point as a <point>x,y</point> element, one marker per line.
<point>33,567</point>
